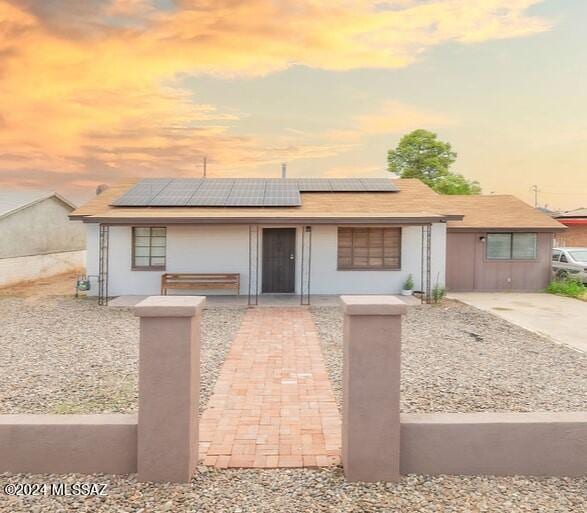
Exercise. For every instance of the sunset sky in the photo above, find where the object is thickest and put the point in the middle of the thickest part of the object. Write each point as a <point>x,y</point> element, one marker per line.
<point>95,91</point>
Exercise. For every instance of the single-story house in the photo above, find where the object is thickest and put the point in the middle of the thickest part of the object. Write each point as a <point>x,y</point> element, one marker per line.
<point>309,236</point>
<point>38,239</point>
<point>576,233</point>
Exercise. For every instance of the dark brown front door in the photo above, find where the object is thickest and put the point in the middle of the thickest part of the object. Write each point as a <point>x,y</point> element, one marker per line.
<point>279,264</point>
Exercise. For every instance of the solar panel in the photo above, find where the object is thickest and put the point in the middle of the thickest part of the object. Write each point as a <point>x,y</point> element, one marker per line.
<point>241,192</point>
<point>246,193</point>
<point>176,193</point>
<point>281,193</point>
<point>313,185</point>
<point>378,185</point>
<point>346,184</point>
<point>211,193</point>
<point>142,193</point>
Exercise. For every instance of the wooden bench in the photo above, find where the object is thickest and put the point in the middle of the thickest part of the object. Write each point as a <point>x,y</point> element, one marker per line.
<point>200,281</point>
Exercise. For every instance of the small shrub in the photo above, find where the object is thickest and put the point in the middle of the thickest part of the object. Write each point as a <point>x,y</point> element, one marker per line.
<point>409,283</point>
<point>438,293</point>
<point>567,287</point>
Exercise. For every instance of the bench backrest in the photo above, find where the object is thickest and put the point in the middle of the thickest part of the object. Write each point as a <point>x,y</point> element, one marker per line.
<point>180,278</point>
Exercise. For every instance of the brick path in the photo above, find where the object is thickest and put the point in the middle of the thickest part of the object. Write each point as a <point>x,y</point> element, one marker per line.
<point>273,405</point>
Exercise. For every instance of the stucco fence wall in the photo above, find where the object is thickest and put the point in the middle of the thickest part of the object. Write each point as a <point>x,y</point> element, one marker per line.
<point>225,249</point>
<point>26,268</point>
<point>378,443</point>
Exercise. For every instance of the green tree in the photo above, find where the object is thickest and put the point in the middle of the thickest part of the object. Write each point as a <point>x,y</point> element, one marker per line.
<point>420,154</point>
<point>453,183</point>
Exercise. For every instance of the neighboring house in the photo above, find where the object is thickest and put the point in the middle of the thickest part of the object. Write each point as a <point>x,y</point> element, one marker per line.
<point>38,239</point>
<point>500,244</point>
<point>324,236</point>
<point>576,233</point>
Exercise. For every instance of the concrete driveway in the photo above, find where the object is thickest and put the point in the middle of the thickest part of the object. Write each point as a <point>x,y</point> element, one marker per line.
<point>562,319</point>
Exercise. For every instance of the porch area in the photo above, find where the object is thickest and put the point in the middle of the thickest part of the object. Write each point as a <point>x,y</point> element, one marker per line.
<point>273,264</point>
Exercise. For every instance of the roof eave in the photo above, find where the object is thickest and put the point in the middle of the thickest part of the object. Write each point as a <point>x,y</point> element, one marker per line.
<point>495,229</point>
<point>416,220</point>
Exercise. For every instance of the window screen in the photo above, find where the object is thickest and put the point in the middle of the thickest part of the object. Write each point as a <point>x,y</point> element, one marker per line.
<point>524,246</point>
<point>511,246</point>
<point>369,248</point>
<point>149,247</point>
<point>499,246</point>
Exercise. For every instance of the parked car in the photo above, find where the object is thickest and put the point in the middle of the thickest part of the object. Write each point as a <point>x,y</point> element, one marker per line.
<point>570,263</point>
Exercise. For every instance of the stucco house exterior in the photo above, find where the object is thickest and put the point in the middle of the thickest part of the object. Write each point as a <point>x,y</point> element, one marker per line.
<point>38,239</point>
<point>576,233</point>
<point>338,237</point>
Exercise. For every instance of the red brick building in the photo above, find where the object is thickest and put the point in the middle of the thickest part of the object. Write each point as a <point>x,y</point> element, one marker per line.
<point>576,232</point>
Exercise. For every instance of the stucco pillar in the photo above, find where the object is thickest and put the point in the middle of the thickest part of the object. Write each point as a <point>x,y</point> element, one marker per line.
<point>169,387</point>
<point>371,387</point>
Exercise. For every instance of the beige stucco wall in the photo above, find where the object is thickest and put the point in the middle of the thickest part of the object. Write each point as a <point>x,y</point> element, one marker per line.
<point>42,228</point>
<point>26,268</point>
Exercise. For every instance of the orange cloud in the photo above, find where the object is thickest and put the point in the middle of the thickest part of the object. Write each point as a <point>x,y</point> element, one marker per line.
<point>93,87</point>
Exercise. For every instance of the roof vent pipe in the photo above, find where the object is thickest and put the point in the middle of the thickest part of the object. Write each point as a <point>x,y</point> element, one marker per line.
<point>283,170</point>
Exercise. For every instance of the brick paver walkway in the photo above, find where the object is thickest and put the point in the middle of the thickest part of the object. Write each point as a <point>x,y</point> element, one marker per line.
<point>273,405</point>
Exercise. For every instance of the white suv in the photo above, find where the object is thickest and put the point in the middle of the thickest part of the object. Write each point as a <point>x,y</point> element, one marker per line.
<point>570,262</point>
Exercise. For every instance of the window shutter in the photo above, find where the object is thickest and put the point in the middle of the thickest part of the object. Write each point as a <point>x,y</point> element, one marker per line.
<point>369,248</point>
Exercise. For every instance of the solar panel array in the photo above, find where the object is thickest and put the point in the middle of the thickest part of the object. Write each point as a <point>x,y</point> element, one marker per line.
<point>240,192</point>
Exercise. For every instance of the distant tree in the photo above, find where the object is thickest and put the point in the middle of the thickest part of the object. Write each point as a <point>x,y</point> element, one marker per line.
<point>420,154</point>
<point>453,183</point>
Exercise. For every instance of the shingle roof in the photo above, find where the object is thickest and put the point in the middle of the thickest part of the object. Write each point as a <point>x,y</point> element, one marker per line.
<point>415,202</point>
<point>498,212</point>
<point>15,200</point>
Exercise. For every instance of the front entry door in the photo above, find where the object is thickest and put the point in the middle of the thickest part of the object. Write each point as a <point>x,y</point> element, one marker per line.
<point>279,259</point>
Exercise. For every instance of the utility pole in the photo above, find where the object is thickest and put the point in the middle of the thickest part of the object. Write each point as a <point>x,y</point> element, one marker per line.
<point>205,162</point>
<point>535,189</point>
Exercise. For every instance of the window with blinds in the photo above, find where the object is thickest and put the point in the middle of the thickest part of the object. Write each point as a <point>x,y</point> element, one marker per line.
<point>511,246</point>
<point>369,248</point>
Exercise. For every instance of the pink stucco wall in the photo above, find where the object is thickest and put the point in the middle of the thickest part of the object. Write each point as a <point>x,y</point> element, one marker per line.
<point>487,443</point>
<point>54,444</point>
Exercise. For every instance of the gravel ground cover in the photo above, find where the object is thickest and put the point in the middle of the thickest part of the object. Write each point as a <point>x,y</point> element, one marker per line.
<point>61,355</point>
<point>51,348</point>
<point>456,358</point>
<point>305,491</point>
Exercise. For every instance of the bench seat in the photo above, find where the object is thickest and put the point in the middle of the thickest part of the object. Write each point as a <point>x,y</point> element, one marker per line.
<point>199,281</point>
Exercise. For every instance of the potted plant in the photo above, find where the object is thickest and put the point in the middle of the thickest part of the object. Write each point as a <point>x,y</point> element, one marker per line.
<point>408,287</point>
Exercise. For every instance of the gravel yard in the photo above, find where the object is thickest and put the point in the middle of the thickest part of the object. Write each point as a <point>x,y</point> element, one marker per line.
<point>61,355</point>
<point>309,491</point>
<point>456,358</point>
<point>68,356</point>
